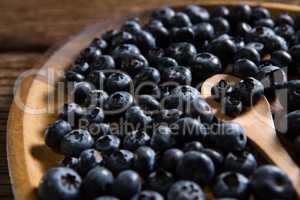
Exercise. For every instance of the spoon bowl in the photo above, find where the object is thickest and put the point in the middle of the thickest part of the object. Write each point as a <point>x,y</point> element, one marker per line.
<point>259,127</point>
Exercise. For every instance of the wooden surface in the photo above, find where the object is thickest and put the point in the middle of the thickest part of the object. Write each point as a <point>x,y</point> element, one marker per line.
<point>28,29</point>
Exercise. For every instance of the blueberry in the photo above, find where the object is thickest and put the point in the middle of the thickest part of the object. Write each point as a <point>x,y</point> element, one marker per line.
<point>136,118</point>
<point>131,26</point>
<point>233,185</point>
<point>107,143</point>
<point>248,53</point>
<point>135,139</point>
<point>99,129</point>
<point>197,14</point>
<point>144,161</point>
<point>164,14</point>
<point>250,90</point>
<point>245,68</point>
<point>162,138</point>
<point>103,62</point>
<point>159,181</point>
<point>216,157</point>
<point>259,34</point>
<point>148,195</point>
<point>167,116</point>
<point>203,32</point>
<point>221,90</point>
<point>106,198</point>
<point>260,13</point>
<point>269,182</point>
<point>293,127</point>
<point>224,48</point>
<point>94,115</point>
<point>97,78</point>
<point>82,68</point>
<point>122,37</point>
<point>160,32</point>
<point>89,55</point>
<point>118,81</point>
<point>177,74</point>
<point>185,190</point>
<point>192,146</point>
<point>126,185</point>
<point>148,103</point>
<point>281,58</point>
<point>60,183</point>
<point>108,35</point>
<point>189,129</point>
<point>165,62</point>
<point>221,25</point>
<point>286,31</point>
<point>55,132</point>
<point>285,18</point>
<point>97,182</point>
<point>82,93</point>
<point>72,76</point>
<point>295,53</point>
<point>180,19</point>
<point>120,160</point>
<point>274,43</point>
<point>118,102</point>
<point>76,142</point>
<point>196,166</point>
<point>99,43</point>
<point>184,34</point>
<point>232,105</point>
<point>89,159</point>
<point>125,48</point>
<point>241,13</point>
<point>259,47</point>
<point>241,162</point>
<point>98,98</point>
<point>131,63</point>
<point>146,79</point>
<point>267,22</point>
<point>220,11</point>
<point>170,159</point>
<point>71,113</point>
<point>144,40</point>
<point>242,29</point>
<point>182,52</point>
<point>229,137</point>
<point>204,65</point>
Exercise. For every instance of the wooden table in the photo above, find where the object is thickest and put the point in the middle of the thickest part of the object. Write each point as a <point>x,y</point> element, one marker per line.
<point>28,29</point>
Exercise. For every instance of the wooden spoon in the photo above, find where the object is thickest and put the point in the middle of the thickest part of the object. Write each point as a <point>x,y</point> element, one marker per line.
<point>259,127</point>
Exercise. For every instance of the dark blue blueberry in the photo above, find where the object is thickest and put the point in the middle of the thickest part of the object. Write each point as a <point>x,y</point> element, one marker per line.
<point>293,127</point>
<point>164,14</point>
<point>94,115</point>
<point>177,74</point>
<point>122,37</point>
<point>136,118</point>
<point>167,116</point>
<point>221,25</point>
<point>184,34</point>
<point>145,160</point>
<point>221,90</point>
<point>242,29</point>
<point>197,14</point>
<point>148,195</point>
<point>89,159</point>
<point>131,63</point>
<point>144,40</point>
<point>180,19</point>
<point>248,53</point>
<point>204,65</point>
<point>182,52</point>
<point>170,159</point>
<point>126,185</point>
<point>148,103</point>
<point>196,166</point>
<point>159,181</point>
<point>118,81</point>
<point>281,58</point>
<point>260,13</point>
<point>216,157</point>
<point>229,137</point>
<point>259,47</point>
<point>267,22</point>
<point>72,76</point>
<point>286,31</point>
<point>185,190</point>
<point>76,142</point>
<point>241,13</point>
<point>220,11</point>
<point>135,139</point>
<point>285,18</point>
<point>188,129</point>
<point>269,182</point>
<point>203,32</point>
<point>165,62</point>
<point>274,43</point>
<point>70,162</point>
<point>162,138</point>
<point>97,78</point>
<point>98,98</point>
<point>146,79</point>
<point>99,43</point>
<point>82,93</point>
<point>71,113</point>
<point>60,183</point>
<point>232,105</point>
<point>125,48</point>
<point>131,26</point>
<point>82,68</point>
<point>295,53</point>
<point>250,91</point>
<point>55,132</point>
<point>161,34</point>
<point>107,143</point>
<point>244,68</point>
<point>192,146</point>
<point>89,55</point>
<point>118,102</point>
<point>97,182</point>
<point>241,162</point>
<point>231,185</point>
<point>120,160</point>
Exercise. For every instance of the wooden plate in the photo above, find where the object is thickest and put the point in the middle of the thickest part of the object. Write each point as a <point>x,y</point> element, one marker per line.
<point>28,157</point>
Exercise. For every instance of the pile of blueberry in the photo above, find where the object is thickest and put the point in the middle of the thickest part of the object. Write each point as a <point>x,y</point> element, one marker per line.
<point>136,127</point>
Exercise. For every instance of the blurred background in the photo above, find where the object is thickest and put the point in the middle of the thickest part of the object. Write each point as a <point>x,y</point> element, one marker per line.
<point>29,28</point>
